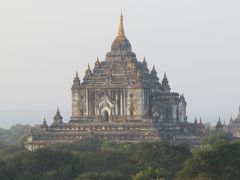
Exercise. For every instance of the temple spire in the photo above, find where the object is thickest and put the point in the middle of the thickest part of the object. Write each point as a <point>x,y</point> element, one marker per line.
<point>144,58</point>
<point>144,62</point>
<point>76,81</point>
<point>44,121</point>
<point>57,118</point>
<point>165,75</point>
<point>153,71</point>
<point>97,63</point>
<point>121,28</point>
<point>195,121</point>
<point>98,60</point>
<point>165,84</point>
<point>231,119</point>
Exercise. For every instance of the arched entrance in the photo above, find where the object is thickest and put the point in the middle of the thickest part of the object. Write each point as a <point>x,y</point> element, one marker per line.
<point>105,115</point>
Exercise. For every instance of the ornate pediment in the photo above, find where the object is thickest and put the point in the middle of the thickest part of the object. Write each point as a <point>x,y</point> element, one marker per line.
<point>105,100</point>
<point>105,104</point>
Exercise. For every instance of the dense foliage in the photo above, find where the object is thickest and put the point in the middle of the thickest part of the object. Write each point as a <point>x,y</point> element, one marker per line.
<point>92,159</point>
<point>218,158</point>
<point>222,162</point>
<point>13,135</point>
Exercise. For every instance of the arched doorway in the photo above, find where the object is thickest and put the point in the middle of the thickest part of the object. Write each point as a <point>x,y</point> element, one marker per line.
<point>105,115</point>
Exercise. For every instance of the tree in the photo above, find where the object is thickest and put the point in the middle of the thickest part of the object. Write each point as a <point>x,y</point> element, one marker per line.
<point>215,139</point>
<point>148,174</point>
<point>107,175</point>
<point>220,162</point>
<point>161,155</point>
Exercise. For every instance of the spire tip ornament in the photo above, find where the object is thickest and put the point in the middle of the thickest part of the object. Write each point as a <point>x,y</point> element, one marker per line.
<point>165,75</point>
<point>121,32</point>
<point>58,110</point>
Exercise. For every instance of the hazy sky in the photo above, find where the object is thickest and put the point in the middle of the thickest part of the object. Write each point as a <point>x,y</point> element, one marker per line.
<point>43,42</point>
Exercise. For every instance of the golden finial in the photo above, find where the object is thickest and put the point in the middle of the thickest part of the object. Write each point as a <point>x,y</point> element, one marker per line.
<point>121,29</point>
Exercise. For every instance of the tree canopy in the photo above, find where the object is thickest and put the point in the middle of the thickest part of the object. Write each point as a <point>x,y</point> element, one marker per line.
<point>92,159</point>
<point>95,159</point>
<point>220,160</point>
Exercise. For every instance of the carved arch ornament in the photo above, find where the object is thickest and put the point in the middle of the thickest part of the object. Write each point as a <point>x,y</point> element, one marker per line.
<point>105,104</point>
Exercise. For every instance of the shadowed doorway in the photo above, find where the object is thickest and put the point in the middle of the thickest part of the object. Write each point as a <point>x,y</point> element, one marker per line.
<point>105,115</point>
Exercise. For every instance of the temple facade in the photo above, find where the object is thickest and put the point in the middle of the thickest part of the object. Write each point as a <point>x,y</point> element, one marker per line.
<point>121,99</point>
